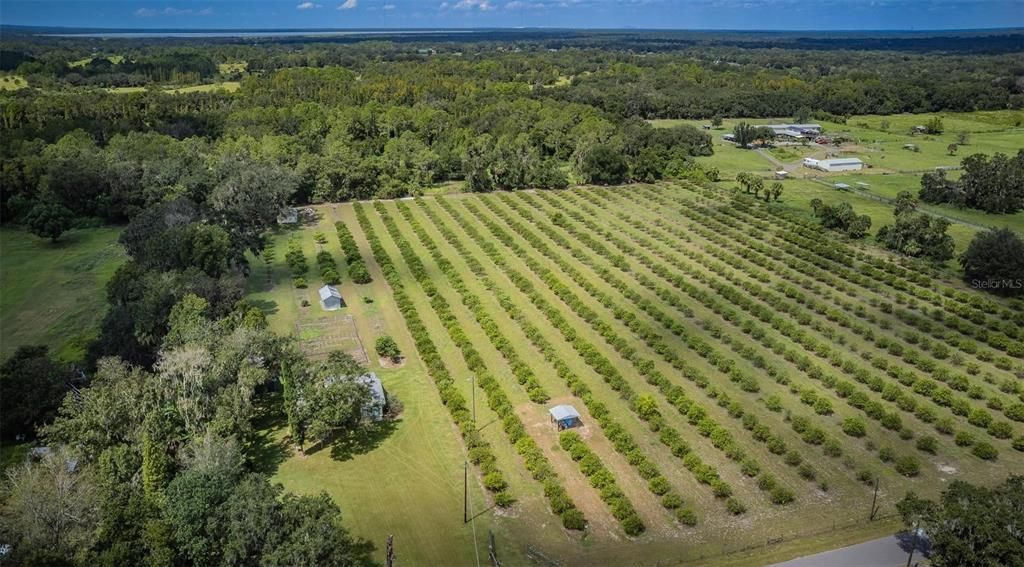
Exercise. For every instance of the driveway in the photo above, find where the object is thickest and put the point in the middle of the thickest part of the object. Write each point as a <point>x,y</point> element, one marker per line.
<point>890,551</point>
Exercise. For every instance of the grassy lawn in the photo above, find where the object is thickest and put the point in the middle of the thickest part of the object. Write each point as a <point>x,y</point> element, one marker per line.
<point>988,133</point>
<point>227,68</point>
<point>370,478</point>
<point>12,82</point>
<point>32,269</point>
<point>230,86</point>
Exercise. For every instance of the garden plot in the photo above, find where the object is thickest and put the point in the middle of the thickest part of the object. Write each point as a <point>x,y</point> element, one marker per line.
<point>319,337</point>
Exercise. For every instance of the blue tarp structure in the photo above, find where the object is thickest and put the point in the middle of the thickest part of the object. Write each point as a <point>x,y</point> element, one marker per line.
<point>565,416</point>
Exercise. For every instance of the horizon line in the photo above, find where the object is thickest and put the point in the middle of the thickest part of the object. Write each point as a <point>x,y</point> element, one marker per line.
<point>83,29</point>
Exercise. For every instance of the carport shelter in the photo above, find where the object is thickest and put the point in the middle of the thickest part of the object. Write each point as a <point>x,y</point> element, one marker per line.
<point>565,416</point>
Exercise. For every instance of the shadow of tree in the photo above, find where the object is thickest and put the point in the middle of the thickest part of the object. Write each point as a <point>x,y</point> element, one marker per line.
<point>266,451</point>
<point>919,544</point>
<point>267,306</point>
<point>362,440</point>
<point>361,552</point>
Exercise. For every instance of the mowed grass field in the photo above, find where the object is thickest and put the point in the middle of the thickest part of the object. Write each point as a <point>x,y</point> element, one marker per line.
<point>987,132</point>
<point>751,336</point>
<point>54,294</point>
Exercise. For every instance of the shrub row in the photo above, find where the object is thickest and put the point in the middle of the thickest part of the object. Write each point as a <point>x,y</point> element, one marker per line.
<point>524,375</point>
<point>328,268</point>
<point>959,406</point>
<point>703,472</point>
<point>497,400</point>
<point>814,436</point>
<point>718,235</point>
<point>621,440</point>
<point>876,383</point>
<point>478,448</point>
<point>868,273</point>
<point>357,271</point>
<point>604,481</point>
<point>760,432</point>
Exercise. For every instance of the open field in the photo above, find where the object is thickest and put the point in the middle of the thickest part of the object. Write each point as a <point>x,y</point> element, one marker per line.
<point>53,294</point>
<point>893,168</point>
<point>719,352</point>
<point>227,68</point>
<point>883,150</point>
<point>230,86</point>
<point>12,83</point>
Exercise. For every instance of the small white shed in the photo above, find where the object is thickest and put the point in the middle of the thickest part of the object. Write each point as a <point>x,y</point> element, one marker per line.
<point>330,298</point>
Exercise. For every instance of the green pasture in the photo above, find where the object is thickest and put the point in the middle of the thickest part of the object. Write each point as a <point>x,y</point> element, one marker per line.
<point>54,293</point>
<point>237,67</point>
<point>12,82</point>
<point>883,150</point>
<point>229,86</point>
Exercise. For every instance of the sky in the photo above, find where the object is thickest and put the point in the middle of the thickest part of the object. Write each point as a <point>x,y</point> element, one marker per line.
<point>664,14</point>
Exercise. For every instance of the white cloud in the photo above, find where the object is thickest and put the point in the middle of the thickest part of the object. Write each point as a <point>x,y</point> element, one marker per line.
<point>307,6</point>
<point>474,4</point>
<point>388,7</point>
<point>169,11</point>
<point>349,4</point>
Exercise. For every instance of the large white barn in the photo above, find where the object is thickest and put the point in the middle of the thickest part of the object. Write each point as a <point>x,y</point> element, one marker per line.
<point>834,164</point>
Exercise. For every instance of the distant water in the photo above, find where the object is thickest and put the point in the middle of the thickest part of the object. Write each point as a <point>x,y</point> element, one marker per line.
<point>255,33</point>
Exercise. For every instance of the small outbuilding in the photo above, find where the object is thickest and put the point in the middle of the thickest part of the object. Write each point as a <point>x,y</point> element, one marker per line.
<point>565,417</point>
<point>377,405</point>
<point>374,410</point>
<point>781,174</point>
<point>288,215</point>
<point>330,298</point>
<point>834,164</point>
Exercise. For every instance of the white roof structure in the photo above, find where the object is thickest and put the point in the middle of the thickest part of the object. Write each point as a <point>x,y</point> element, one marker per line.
<point>564,412</point>
<point>288,215</point>
<point>373,382</point>
<point>840,161</point>
<point>329,291</point>
<point>794,130</point>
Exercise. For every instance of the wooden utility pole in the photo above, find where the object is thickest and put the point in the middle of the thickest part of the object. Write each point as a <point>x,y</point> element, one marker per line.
<point>390,555</point>
<point>874,509</point>
<point>492,551</point>
<point>472,387</point>
<point>465,492</point>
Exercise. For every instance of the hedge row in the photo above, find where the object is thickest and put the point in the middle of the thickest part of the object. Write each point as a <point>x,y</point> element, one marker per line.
<point>353,259</point>
<point>824,350</point>
<point>695,414</point>
<point>904,376</point>
<point>959,406</point>
<point>604,481</point>
<point>703,472</point>
<point>967,319</point>
<point>814,436</point>
<point>753,250</point>
<point>621,440</point>
<point>497,400</point>
<point>524,375</point>
<point>479,450</point>
<point>328,268</point>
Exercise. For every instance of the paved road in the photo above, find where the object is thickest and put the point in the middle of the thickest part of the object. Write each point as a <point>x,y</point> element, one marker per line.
<point>883,552</point>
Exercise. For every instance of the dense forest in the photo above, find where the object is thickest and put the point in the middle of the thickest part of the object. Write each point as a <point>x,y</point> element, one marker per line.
<point>356,119</point>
